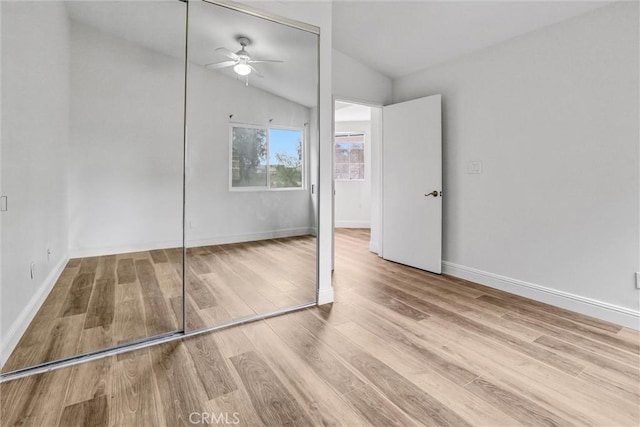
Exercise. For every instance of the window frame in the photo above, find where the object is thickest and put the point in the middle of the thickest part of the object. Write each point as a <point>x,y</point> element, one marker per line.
<point>268,187</point>
<point>364,149</point>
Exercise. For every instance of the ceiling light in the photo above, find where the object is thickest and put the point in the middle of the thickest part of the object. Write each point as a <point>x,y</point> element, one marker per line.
<point>242,69</point>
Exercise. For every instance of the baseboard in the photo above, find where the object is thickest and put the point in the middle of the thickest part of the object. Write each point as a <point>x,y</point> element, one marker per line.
<point>250,237</point>
<point>374,246</point>
<point>352,224</point>
<point>325,296</point>
<point>24,319</point>
<point>218,240</point>
<point>125,249</point>
<point>587,306</point>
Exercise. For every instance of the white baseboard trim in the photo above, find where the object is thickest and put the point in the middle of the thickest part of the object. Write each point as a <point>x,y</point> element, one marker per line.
<point>250,237</point>
<point>374,246</point>
<point>590,307</point>
<point>125,249</point>
<point>352,224</point>
<point>24,319</point>
<point>219,240</point>
<point>325,296</point>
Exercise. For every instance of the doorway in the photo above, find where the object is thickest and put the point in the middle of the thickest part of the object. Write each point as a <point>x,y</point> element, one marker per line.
<point>357,174</point>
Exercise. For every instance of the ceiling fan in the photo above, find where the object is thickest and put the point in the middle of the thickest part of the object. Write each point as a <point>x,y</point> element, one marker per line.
<point>240,61</point>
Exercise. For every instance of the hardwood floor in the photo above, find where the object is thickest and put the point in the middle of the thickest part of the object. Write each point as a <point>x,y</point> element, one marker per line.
<point>104,301</point>
<point>398,347</point>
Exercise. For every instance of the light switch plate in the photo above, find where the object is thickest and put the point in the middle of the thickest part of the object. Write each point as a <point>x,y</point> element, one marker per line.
<point>474,167</point>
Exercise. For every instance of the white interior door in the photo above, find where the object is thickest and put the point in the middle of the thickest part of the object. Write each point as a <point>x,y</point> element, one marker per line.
<point>412,183</point>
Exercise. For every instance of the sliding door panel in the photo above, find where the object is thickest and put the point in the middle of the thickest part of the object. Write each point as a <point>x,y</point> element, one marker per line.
<point>252,166</point>
<point>92,168</point>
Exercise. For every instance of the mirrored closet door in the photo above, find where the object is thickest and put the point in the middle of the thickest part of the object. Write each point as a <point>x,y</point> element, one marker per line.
<point>92,172</point>
<point>252,166</point>
<point>105,195</point>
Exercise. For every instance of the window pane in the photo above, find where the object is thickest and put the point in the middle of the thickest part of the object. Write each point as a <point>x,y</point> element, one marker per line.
<point>342,171</point>
<point>249,157</point>
<point>285,158</point>
<point>342,153</point>
<point>356,171</point>
<point>356,155</point>
<point>349,156</point>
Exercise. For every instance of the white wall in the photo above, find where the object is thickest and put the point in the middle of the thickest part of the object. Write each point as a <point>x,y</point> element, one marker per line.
<point>553,116</point>
<point>125,176</point>
<point>353,198</point>
<point>354,81</point>
<point>215,214</point>
<point>35,105</point>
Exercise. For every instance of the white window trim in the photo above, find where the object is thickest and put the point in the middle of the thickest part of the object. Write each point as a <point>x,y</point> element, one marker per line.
<point>233,189</point>
<point>348,133</point>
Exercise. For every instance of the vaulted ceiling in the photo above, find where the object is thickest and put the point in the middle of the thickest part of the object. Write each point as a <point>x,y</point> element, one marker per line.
<point>398,38</point>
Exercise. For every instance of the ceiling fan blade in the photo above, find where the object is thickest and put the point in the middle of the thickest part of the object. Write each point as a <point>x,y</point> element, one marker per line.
<point>226,52</point>
<point>257,73</point>
<point>216,65</point>
<point>263,60</point>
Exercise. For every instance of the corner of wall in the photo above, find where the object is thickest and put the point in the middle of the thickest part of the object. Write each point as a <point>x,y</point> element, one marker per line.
<point>28,313</point>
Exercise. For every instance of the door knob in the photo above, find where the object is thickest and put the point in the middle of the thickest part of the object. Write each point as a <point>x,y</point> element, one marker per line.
<point>434,193</point>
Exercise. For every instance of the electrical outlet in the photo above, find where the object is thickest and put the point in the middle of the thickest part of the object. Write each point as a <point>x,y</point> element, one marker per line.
<point>637,279</point>
<point>48,254</point>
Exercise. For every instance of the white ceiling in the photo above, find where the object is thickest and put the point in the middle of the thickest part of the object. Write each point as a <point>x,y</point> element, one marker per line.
<point>398,38</point>
<point>160,26</point>
<point>346,112</point>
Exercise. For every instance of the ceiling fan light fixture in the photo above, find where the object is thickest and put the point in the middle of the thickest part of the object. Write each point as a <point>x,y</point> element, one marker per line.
<point>242,69</point>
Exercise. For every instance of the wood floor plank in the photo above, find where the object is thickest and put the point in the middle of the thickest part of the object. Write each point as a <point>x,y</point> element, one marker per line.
<point>175,376</point>
<point>410,344</point>
<point>126,271</point>
<point>273,402</point>
<point>91,380</point>
<point>158,317</point>
<point>301,379</point>
<point>552,319</point>
<point>128,317</point>
<point>576,352</point>
<point>514,405</point>
<point>199,290</point>
<point>233,406</point>
<point>102,303</point>
<point>472,409</point>
<point>531,379</point>
<point>90,413</point>
<point>77,299</point>
<point>158,256</point>
<point>74,263</point>
<point>576,339</point>
<point>133,396</point>
<point>401,392</point>
<point>315,353</point>
<point>377,409</point>
<point>211,366</point>
<point>89,265</point>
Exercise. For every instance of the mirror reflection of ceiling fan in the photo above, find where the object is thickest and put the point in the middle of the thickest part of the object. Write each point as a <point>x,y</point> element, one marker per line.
<point>241,61</point>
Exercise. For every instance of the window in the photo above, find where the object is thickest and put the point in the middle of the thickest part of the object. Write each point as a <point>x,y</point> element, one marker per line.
<point>349,156</point>
<point>265,158</point>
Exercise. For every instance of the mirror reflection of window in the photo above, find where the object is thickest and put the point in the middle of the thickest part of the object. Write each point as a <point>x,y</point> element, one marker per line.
<point>256,150</point>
